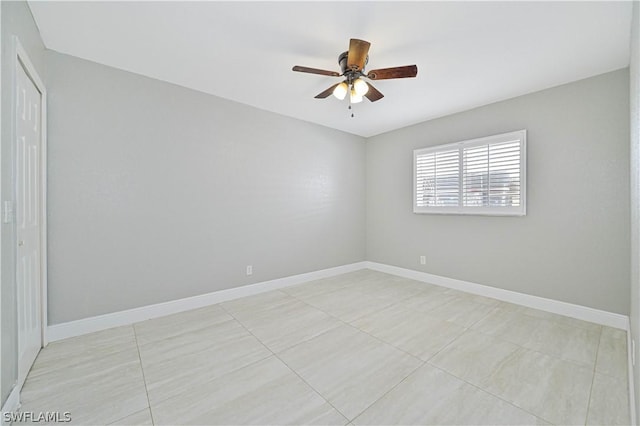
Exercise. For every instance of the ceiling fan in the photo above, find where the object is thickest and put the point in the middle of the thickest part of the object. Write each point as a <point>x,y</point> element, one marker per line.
<point>352,65</point>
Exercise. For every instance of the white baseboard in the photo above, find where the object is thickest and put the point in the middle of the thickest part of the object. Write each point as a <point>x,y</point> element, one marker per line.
<point>130,316</point>
<point>549,305</point>
<point>12,404</point>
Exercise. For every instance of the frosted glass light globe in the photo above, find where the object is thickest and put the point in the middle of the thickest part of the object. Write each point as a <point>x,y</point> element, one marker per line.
<point>341,90</point>
<point>361,87</point>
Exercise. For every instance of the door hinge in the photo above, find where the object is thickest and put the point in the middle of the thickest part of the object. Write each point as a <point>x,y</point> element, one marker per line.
<point>7,212</point>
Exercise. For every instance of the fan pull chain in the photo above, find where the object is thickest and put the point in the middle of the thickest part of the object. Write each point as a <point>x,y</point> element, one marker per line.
<point>351,109</point>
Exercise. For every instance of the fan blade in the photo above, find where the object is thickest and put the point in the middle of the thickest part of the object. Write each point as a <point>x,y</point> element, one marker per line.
<point>326,93</point>
<point>373,94</point>
<point>395,72</point>
<point>315,71</point>
<point>357,56</point>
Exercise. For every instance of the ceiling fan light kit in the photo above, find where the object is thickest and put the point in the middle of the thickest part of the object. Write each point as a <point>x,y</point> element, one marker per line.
<point>341,90</point>
<point>360,86</point>
<point>354,98</point>
<point>352,64</point>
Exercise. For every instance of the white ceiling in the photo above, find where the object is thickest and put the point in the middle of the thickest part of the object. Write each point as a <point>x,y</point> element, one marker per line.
<point>468,53</point>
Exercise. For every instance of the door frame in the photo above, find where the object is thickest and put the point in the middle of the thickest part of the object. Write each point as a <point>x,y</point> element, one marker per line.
<point>21,59</point>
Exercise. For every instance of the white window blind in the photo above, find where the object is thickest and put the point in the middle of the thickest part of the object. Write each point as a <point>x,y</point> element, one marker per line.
<point>438,174</point>
<point>479,176</point>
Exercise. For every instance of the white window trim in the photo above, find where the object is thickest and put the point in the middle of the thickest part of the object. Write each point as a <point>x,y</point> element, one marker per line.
<point>470,210</point>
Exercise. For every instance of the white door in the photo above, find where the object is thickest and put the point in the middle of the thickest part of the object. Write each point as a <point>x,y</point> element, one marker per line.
<point>28,221</point>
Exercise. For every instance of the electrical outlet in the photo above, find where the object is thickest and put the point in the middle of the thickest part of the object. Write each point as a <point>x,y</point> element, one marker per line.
<point>249,269</point>
<point>423,260</point>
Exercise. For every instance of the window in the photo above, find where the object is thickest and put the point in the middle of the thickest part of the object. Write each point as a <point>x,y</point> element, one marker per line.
<point>483,176</point>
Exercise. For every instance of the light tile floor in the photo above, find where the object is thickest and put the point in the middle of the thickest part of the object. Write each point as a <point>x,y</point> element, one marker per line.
<point>360,348</point>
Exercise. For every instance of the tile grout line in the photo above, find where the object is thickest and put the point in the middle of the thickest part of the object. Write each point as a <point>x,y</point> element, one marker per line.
<point>162,401</point>
<point>357,328</point>
<point>457,337</point>
<point>287,365</point>
<point>613,375</point>
<point>423,363</point>
<point>128,415</point>
<point>144,379</point>
<point>432,365</point>
<point>344,323</point>
<point>593,378</point>
<point>570,361</point>
<point>447,345</point>
<point>122,347</point>
<point>232,319</point>
<point>292,346</point>
<point>420,365</point>
<point>442,349</point>
<point>150,342</point>
<point>489,393</point>
<point>556,357</point>
<point>331,329</point>
<point>359,291</point>
<point>484,316</point>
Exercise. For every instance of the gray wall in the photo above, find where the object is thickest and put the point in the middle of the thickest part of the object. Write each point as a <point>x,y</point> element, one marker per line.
<point>16,20</point>
<point>634,74</point>
<point>572,246</point>
<point>158,192</point>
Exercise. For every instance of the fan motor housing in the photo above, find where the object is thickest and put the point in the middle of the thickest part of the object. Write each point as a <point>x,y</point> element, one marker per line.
<point>342,61</point>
